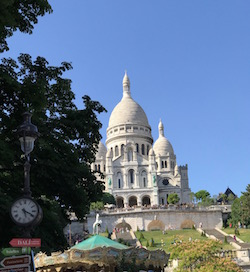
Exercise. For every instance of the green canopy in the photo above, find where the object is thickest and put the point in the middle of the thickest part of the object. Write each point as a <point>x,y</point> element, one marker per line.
<point>98,241</point>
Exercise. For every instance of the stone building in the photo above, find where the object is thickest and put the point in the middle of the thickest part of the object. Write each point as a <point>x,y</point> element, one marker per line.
<point>136,170</point>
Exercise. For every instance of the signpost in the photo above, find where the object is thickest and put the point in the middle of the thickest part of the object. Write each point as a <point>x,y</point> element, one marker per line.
<point>25,242</point>
<point>16,261</point>
<point>17,269</point>
<point>12,251</point>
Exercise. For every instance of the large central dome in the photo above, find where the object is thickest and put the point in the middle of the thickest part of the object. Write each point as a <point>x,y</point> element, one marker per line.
<point>127,110</point>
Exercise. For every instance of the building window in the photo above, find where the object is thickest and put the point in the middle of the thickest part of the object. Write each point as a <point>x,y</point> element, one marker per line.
<point>156,165</point>
<point>104,167</point>
<point>166,164</point>
<point>111,152</point>
<point>137,148</point>
<point>162,164</point>
<point>147,149</point>
<point>99,167</point>
<point>130,154</point>
<point>131,176</point>
<point>116,151</point>
<point>143,149</point>
<point>144,179</point>
<point>95,167</point>
<point>122,149</point>
<point>119,183</point>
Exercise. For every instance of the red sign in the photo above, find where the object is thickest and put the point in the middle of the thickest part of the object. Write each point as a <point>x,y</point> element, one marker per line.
<point>16,261</point>
<point>17,269</point>
<point>25,242</point>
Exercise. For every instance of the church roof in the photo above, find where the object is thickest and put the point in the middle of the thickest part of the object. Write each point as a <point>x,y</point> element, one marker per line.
<point>162,146</point>
<point>98,241</point>
<point>127,110</point>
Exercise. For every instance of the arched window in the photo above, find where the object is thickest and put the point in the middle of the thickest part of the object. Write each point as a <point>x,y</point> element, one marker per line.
<point>166,165</point>
<point>130,154</point>
<point>95,167</point>
<point>131,176</point>
<point>99,167</point>
<point>156,165</point>
<point>111,152</point>
<point>144,179</point>
<point>147,149</point>
<point>116,151</point>
<point>119,180</point>
<point>104,168</point>
<point>122,149</point>
<point>162,164</point>
<point>143,149</point>
<point>137,148</point>
<point>132,201</point>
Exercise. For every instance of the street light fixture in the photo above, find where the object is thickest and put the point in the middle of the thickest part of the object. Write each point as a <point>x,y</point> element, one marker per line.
<point>27,133</point>
<point>25,211</point>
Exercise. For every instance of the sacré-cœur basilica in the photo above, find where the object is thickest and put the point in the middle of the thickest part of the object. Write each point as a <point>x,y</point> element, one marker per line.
<point>137,171</point>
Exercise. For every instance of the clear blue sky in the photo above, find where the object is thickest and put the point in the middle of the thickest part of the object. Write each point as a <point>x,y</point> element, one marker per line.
<point>188,63</point>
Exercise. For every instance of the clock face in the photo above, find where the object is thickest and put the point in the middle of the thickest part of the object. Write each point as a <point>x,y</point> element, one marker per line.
<point>24,211</point>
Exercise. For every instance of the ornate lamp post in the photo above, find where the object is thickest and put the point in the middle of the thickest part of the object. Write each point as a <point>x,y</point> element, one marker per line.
<point>27,133</point>
<point>25,211</point>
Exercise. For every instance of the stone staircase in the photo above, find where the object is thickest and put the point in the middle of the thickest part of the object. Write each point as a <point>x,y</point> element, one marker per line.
<point>126,236</point>
<point>221,236</point>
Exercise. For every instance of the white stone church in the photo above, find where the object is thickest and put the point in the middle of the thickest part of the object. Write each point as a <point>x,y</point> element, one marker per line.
<point>136,170</point>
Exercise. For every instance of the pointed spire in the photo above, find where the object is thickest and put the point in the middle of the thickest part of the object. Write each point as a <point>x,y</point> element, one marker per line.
<point>126,85</point>
<point>161,128</point>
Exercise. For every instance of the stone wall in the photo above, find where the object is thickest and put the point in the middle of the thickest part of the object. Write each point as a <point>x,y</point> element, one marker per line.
<point>172,219</point>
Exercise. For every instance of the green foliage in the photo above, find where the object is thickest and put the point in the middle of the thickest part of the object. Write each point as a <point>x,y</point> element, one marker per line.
<point>141,236</point>
<point>20,15</point>
<point>107,198</point>
<point>147,244</point>
<point>60,162</point>
<point>231,198</point>
<point>236,213</point>
<point>202,195</point>
<point>201,256</point>
<point>241,209</point>
<point>173,198</point>
<point>151,242</point>
<point>225,240</point>
<point>246,206</point>
<point>107,230</point>
<point>96,206</point>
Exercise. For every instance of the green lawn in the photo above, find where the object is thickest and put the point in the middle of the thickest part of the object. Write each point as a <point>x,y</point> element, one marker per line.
<point>167,238</point>
<point>244,234</point>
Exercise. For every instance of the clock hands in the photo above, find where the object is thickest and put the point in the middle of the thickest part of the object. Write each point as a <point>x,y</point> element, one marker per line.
<point>26,212</point>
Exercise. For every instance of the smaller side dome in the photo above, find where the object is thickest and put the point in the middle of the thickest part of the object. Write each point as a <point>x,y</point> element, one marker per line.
<point>162,146</point>
<point>101,152</point>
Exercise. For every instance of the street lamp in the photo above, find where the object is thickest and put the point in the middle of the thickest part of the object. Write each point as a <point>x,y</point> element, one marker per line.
<point>25,211</point>
<point>27,133</point>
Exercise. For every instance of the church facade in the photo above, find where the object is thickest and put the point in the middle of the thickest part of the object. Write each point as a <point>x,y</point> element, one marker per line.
<point>138,171</point>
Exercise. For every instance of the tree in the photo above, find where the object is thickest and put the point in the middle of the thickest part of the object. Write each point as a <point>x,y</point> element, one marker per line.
<point>61,178</point>
<point>202,256</point>
<point>173,198</point>
<point>202,195</point>
<point>245,201</point>
<point>19,15</point>
<point>108,199</point>
<point>241,209</point>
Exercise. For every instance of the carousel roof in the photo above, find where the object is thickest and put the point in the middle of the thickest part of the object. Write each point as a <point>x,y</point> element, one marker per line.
<point>98,241</point>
